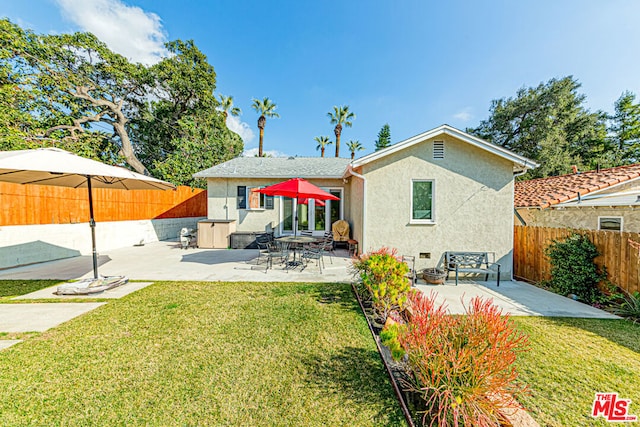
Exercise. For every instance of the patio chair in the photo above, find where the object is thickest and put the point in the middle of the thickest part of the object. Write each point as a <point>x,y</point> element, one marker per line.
<point>263,242</point>
<point>313,254</point>
<point>411,262</point>
<point>278,250</point>
<point>307,233</point>
<point>326,244</point>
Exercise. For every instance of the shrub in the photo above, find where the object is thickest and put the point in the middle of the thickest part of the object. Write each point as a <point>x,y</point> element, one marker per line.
<point>389,338</point>
<point>383,275</point>
<point>460,366</point>
<point>629,307</point>
<point>572,268</point>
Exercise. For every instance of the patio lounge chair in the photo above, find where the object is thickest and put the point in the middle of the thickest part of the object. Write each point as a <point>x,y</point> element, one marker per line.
<point>340,230</point>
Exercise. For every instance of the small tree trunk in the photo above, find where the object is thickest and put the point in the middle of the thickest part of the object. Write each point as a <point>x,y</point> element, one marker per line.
<point>322,152</point>
<point>338,132</point>
<point>260,144</point>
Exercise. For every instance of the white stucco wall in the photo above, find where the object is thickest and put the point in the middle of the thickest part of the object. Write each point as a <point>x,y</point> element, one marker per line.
<point>356,186</point>
<point>222,202</point>
<point>28,244</point>
<point>473,202</point>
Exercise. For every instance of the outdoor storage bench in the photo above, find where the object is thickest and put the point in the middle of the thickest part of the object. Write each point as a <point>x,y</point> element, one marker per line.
<point>470,262</point>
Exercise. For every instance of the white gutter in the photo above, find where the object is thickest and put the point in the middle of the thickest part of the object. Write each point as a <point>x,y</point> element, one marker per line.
<point>363,244</point>
<point>515,211</point>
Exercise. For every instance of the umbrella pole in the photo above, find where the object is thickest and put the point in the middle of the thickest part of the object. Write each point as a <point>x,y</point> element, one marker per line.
<point>92,224</point>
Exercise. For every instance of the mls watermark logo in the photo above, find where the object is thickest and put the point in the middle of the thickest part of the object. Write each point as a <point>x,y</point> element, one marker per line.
<point>613,409</point>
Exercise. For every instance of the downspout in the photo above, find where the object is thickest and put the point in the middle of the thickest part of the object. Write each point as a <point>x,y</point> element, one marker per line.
<point>226,199</point>
<point>363,244</point>
<point>515,175</point>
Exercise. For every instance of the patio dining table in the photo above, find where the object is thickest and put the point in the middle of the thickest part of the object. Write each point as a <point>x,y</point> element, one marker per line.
<point>297,241</point>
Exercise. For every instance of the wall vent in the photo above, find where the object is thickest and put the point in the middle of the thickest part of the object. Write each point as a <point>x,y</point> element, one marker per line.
<point>438,149</point>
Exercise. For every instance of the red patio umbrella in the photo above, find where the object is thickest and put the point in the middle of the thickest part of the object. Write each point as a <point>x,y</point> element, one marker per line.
<point>297,188</point>
<point>306,202</point>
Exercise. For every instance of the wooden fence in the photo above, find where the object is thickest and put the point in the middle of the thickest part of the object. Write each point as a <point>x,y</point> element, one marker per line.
<point>40,204</point>
<point>619,253</point>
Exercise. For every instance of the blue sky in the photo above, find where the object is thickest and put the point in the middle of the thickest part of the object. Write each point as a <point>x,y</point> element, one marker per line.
<point>413,64</point>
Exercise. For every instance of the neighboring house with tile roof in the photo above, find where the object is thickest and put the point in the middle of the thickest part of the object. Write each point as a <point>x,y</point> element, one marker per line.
<point>606,199</point>
<point>442,190</point>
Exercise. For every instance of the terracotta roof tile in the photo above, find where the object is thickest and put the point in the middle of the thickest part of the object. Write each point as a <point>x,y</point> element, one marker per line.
<point>544,192</point>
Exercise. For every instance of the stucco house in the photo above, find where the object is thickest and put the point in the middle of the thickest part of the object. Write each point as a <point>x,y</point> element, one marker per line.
<point>605,199</point>
<point>442,190</point>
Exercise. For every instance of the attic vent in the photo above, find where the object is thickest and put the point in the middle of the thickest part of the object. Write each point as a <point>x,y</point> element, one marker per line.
<point>438,149</point>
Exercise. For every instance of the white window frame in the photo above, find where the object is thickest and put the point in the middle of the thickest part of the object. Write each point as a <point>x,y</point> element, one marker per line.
<point>248,195</point>
<point>433,203</point>
<point>600,218</point>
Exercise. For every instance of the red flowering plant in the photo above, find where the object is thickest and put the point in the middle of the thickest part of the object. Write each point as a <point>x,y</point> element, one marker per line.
<point>460,367</point>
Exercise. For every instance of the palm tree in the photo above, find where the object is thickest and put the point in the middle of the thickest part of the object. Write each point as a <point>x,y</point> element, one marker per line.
<point>265,108</point>
<point>226,105</point>
<point>340,116</point>
<point>322,141</point>
<point>354,146</point>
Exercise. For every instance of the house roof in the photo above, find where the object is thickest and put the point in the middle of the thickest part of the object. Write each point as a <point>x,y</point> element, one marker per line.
<point>545,192</point>
<point>520,163</point>
<point>277,167</point>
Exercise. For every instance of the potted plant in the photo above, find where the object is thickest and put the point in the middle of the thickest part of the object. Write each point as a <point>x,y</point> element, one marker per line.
<point>434,276</point>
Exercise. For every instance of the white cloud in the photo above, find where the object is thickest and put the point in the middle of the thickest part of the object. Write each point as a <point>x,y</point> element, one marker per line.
<point>464,115</point>
<point>241,128</point>
<point>127,30</point>
<point>253,152</point>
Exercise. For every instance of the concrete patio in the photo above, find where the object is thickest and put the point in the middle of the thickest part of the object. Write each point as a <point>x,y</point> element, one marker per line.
<point>166,260</point>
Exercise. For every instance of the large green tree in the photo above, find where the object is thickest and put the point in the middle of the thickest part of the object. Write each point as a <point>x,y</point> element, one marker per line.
<point>384,137</point>
<point>624,129</point>
<point>72,91</point>
<point>196,147</point>
<point>183,117</point>
<point>74,82</point>
<point>549,124</point>
<point>265,108</point>
<point>341,116</point>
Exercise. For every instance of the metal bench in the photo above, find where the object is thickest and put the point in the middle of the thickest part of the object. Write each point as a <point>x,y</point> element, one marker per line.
<point>469,262</point>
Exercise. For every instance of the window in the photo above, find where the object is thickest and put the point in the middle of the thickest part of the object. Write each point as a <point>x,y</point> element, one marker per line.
<point>249,199</point>
<point>422,201</point>
<point>611,223</point>
<point>242,197</point>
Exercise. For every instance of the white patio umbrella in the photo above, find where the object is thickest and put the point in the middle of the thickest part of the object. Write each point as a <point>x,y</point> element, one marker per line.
<point>53,166</point>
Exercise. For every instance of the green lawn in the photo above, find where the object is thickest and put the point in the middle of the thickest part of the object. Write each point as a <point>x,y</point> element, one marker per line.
<point>572,359</point>
<point>184,353</point>
<point>12,288</point>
